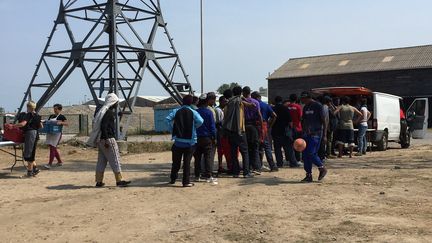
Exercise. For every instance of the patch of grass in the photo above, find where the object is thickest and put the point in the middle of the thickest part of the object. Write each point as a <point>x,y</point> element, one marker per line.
<point>148,147</point>
<point>145,132</point>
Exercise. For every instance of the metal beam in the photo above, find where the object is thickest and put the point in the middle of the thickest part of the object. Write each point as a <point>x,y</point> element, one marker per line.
<point>106,64</point>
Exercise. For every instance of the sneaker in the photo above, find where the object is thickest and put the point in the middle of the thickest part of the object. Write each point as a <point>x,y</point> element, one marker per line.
<point>199,179</point>
<point>222,171</point>
<point>59,164</point>
<point>212,180</point>
<point>248,176</point>
<point>266,168</point>
<point>236,176</point>
<point>172,182</point>
<point>188,185</point>
<point>296,165</point>
<point>364,152</point>
<point>47,166</point>
<point>35,171</point>
<point>29,174</point>
<point>308,178</point>
<point>358,154</point>
<point>274,169</point>
<point>322,173</point>
<point>256,172</point>
<point>100,184</point>
<point>123,183</point>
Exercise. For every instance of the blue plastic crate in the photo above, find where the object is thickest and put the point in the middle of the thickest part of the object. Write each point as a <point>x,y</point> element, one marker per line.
<point>51,127</point>
<point>160,114</point>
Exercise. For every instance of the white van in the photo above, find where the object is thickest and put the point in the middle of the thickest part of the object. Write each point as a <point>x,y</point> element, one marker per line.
<point>385,124</point>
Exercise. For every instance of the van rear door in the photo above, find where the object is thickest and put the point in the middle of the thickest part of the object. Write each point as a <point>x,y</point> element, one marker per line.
<point>418,115</point>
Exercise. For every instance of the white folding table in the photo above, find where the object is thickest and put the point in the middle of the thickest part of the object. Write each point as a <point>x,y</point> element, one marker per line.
<point>17,147</point>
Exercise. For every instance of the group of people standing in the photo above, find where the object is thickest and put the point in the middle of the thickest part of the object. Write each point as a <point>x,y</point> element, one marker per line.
<point>243,125</point>
<point>342,118</point>
<point>102,136</point>
<point>30,122</point>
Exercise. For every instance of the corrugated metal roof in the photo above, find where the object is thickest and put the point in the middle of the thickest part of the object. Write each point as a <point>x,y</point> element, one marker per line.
<point>155,99</point>
<point>370,61</point>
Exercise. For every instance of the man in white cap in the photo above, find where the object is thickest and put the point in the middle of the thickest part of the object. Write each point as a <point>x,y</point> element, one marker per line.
<point>103,136</point>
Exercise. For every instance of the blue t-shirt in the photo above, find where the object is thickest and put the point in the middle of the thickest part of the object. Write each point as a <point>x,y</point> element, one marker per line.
<point>313,116</point>
<point>208,129</point>
<point>266,110</point>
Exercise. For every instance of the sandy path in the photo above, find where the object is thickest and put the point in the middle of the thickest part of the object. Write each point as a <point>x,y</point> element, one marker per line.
<point>62,205</point>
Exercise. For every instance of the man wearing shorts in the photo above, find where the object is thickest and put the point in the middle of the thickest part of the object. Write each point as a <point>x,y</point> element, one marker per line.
<point>345,130</point>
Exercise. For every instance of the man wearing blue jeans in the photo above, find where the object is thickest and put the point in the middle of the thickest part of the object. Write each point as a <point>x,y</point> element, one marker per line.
<point>314,123</point>
<point>268,116</point>
<point>363,126</point>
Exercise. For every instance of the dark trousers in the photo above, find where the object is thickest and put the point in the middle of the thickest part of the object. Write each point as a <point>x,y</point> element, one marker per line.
<point>239,142</point>
<point>329,147</point>
<point>266,149</point>
<point>204,148</point>
<point>253,141</point>
<point>286,143</point>
<point>177,155</point>
<point>322,150</point>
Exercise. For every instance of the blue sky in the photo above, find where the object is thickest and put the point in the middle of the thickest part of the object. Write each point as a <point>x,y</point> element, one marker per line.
<point>244,39</point>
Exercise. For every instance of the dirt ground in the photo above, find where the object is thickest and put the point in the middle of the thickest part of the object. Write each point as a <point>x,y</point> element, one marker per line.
<point>381,197</point>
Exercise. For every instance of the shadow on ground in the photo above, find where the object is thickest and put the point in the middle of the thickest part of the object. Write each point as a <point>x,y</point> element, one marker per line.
<point>379,163</point>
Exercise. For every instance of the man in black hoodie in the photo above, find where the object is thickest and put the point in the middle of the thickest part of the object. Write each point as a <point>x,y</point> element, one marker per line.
<point>282,133</point>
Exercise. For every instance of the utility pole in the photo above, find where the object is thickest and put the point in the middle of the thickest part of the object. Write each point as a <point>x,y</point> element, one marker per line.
<point>202,48</point>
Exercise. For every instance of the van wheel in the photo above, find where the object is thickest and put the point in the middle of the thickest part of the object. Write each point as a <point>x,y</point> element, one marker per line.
<point>406,141</point>
<point>383,144</point>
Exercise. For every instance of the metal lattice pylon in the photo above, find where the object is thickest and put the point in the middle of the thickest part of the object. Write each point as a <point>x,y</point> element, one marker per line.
<point>111,53</point>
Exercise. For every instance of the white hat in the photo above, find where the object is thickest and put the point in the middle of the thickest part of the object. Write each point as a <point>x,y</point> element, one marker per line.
<point>203,96</point>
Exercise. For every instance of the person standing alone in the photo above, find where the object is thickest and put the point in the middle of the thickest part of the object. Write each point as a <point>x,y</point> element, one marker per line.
<point>103,136</point>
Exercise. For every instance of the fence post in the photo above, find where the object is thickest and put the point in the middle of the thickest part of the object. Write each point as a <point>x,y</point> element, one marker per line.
<point>80,130</point>
<point>87,125</point>
<point>140,123</point>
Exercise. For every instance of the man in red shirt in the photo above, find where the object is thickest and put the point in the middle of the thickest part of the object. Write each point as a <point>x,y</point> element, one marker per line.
<point>296,112</point>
